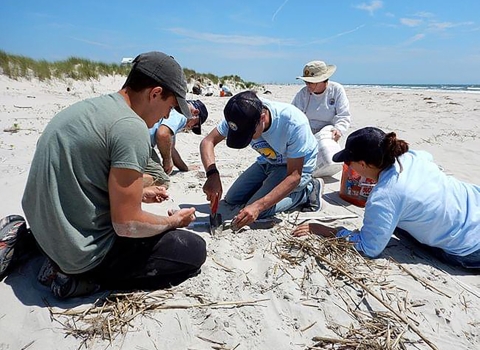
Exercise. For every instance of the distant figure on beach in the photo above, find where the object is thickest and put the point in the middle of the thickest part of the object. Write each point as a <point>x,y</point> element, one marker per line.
<point>197,88</point>
<point>412,195</point>
<point>280,180</point>
<point>162,135</point>
<point>84,193</point>
<point>224,90</point>
<point>323,101</point>
<point>209,90</point>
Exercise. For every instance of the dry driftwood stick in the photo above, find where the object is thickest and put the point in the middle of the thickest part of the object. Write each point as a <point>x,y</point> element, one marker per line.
<point>325,218</point>
<point>226,303</point>
<point>308,327</point>
<point>28,345</point>
<point>161,306</point>
<point>221,265</point>
<point>465,286</point>
<point>335,340</point>
<point>210,340</point>
<point>421,280</point>
<point>379,299</point>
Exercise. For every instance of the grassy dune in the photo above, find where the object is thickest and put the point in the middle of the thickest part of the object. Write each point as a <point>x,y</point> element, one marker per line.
<point>16,66</point>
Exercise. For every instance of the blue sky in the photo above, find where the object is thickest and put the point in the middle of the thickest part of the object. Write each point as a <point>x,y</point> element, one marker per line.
<point>388,41</point>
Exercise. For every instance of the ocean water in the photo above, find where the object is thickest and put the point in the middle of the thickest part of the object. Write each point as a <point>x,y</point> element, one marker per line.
<point>473,88</point>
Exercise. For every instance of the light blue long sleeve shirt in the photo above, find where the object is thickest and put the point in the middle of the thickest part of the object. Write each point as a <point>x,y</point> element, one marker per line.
<point>436,209</point>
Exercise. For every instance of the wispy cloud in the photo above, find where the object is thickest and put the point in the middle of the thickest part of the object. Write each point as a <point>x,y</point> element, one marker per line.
<point>447,25</point>
<point>427,19</point>
<point>40,15</point>
<point>251,40</point>
<point>321,41</point>
<point>424,14</point>
<point>411,22</point>
<point>278,10</point>
<point>371,7</point>
<point>231,39</point>
<point>92,42</point>
<point>413,39</point>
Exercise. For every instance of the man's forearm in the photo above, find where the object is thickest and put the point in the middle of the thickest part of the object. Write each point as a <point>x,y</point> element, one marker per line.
<point>207,155</point>
<point>178,161</point>
<point>147,225</point>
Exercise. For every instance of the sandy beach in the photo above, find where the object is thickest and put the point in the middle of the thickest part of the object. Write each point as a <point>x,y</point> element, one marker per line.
<point>259,288</point>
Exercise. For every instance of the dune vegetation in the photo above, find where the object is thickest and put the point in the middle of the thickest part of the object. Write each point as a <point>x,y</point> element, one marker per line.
<point>17,66</point>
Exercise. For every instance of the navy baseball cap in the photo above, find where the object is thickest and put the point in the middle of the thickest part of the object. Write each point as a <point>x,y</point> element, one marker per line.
<point>363,144</point>
<point>203,115</point>
<point>242,113</point>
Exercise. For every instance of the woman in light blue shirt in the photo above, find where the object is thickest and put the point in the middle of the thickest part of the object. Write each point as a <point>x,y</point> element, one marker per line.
<point>411,194</point>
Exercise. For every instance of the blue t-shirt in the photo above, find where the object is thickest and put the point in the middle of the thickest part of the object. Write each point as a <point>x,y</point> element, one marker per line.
<point>289,136</point>
<point>175,122</point>
<point>436,209</point>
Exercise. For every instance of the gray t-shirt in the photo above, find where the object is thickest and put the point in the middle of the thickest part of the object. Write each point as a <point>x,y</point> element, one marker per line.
<point>66,198</point>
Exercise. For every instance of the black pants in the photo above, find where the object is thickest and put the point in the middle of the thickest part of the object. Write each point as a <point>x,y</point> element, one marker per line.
<point>151,263</point>
<point>471,261</point>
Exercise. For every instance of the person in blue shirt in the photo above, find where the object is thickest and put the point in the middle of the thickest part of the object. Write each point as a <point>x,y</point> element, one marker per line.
<point>162,136</point>
<point>281,178</point>
<point>412,194</point>
<point>224,90</point>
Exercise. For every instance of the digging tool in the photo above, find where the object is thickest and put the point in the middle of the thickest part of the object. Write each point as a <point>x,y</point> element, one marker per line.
<point>216,222</point>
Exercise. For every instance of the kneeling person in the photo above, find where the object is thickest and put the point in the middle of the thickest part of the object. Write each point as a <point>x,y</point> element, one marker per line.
<point>83,197</point>
<point>280,180</point>
<point>162,135</point>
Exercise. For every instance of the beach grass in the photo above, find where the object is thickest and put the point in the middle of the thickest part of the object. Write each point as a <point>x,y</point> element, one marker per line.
<point>17,66</point>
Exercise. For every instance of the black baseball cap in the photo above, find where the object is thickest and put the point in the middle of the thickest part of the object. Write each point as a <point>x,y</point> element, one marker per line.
<point>363,144</point>
<point>242,113</point>
<point>203,115</point>
<point>167,72</point>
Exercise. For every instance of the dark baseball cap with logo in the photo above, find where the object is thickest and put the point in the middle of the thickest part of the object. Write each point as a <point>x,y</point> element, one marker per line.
<point>242,113</point>
<point>203,115</point>
<point>167,72</point>
<point>363,144</point>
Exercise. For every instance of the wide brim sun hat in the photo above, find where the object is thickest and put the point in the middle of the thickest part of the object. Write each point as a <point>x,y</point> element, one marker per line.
<point>317,71</point>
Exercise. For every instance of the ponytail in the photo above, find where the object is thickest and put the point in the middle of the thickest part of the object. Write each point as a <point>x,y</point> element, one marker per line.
<point>392,149</point>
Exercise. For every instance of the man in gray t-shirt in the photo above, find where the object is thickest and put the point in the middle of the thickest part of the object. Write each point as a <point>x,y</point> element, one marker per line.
<point>84,191</point>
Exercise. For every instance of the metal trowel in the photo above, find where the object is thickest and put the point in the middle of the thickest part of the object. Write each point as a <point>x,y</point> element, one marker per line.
<point>216,222</point>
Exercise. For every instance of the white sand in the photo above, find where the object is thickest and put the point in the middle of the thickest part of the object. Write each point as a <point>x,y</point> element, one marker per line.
<point>294,302</point>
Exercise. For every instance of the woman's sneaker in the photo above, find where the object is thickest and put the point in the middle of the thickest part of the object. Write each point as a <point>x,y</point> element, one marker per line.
<point>12,228</point>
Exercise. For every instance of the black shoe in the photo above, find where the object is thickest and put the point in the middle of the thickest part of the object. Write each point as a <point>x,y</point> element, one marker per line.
<point>11,228</point>
<point>69,286</point>
<point>47,273</point>
<point>314,202</point>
